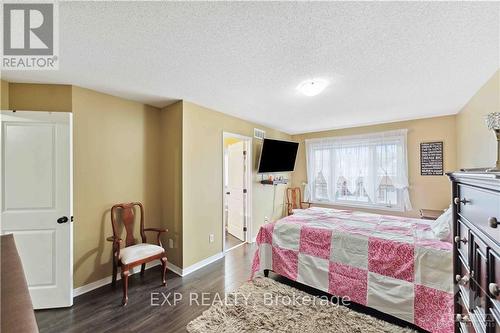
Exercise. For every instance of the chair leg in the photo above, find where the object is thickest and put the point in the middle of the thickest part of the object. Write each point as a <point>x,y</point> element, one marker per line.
<point>164,270</point>
<point>143,268</point>
<point>115,272</point>
<point>125,275</point>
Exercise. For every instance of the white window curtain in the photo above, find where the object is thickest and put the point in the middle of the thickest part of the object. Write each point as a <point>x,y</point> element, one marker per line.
<point>369,169</point>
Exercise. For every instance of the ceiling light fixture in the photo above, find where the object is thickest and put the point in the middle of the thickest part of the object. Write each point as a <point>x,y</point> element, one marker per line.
<point>312,87</point>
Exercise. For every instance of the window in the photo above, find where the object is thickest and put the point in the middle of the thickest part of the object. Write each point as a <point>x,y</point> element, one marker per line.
<point>364,170</point>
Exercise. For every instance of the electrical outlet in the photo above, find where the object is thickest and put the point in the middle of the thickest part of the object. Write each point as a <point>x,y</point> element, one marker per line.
<point>170,243</point>
<point>266,219</point>
<point>211,238</point>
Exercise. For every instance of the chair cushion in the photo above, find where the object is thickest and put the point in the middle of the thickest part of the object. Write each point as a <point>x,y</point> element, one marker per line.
<point>137,252</point>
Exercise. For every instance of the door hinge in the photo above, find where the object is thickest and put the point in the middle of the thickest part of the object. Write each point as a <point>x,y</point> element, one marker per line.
<point>245,190</point>
<point>72,219</point>
<point>244,229</point>
<point>244,152</point>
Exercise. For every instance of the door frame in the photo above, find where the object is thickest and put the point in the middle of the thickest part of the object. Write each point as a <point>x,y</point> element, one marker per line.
<point>248,179</point>
<point>71,188</point>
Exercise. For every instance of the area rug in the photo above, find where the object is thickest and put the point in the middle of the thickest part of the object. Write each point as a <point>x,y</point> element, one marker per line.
<point>264,305</point>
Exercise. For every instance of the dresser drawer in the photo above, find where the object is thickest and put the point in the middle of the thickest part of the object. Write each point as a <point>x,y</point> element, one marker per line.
<point>463,319</point>
<point>465,328</point>
<point>462,241</point>
<point>479,282</point>
<point>480,207</point>
<point>462,280</point>
<point>493,283</point>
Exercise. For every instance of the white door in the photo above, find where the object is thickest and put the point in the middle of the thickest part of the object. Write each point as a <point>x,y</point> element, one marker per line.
<point>235,187</point>
<point>36,201</point>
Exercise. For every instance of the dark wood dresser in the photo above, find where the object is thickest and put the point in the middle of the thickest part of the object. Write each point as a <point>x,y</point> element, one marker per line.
<point>16,309</point>
<point>476,254</point>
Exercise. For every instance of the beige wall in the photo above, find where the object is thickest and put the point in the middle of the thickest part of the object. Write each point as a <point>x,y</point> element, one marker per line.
<point>476,144</point>
<point>125,151</point>
<point>40,97</point>
<point>116,159</point>
<point>202,181</point>
<point>171,179</point>
<point>431,192</point>
<point>4,95</point>
<point>171,160</point>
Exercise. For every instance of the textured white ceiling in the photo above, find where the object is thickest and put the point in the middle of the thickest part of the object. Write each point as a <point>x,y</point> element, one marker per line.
<point>387,61</point>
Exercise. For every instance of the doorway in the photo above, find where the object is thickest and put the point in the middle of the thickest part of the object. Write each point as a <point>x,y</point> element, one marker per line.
<point>36,205</point>
<point>237,181</point>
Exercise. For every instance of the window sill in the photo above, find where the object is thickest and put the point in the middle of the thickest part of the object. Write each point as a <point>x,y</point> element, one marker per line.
<point>354,205</point>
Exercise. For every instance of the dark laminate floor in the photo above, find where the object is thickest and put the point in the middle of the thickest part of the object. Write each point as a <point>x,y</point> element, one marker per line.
<point>100,310</point>
<point>231,241</point>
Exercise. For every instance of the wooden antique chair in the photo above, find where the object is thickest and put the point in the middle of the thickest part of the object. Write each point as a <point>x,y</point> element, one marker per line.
<point>133,254</point>
<point>294,200</point>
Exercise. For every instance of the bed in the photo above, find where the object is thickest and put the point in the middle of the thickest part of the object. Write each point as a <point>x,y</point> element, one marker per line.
<point>392,264</point>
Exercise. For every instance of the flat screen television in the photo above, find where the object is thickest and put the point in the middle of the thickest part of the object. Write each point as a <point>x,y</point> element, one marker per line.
<point>277,156</point>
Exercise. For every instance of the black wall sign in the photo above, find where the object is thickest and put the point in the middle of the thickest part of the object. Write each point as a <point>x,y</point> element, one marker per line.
<point>431,158</point>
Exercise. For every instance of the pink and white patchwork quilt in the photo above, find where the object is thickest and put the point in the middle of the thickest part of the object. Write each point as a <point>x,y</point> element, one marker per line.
<point>392,264</point>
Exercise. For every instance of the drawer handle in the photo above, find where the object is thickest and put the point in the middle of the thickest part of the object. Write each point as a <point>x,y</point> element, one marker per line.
<point>464,201</point>
<point>462,318</point>
<point>494,289</point>
<point>458,240</point>
<point>462,280</point>
<point>493,222</point>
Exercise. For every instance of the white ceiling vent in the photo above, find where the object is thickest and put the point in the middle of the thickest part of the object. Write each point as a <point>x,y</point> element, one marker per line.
<point>259,134</point>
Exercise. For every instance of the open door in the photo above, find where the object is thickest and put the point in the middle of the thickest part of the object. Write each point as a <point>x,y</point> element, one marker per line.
<point>236,190</point>
<point>36,201</point>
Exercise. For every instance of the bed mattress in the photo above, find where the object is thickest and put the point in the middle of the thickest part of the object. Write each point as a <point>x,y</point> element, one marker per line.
<point>392,264</point>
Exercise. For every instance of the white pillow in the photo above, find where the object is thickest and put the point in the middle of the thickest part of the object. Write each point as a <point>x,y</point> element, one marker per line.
<point>299,212</point>
<point>442,227</point>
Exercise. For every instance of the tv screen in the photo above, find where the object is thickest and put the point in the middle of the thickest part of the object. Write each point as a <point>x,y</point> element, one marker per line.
<point>277,156</point>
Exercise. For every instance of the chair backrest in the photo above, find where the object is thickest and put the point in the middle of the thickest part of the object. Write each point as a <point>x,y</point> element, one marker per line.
<point>293,198</point>
<point>125,213</point>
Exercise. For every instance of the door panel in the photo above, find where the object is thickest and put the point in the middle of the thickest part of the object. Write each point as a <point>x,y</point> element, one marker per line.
<point>29,166</point>
<point>38,265</point>
<point>236,185</point>
<point>36,191</point>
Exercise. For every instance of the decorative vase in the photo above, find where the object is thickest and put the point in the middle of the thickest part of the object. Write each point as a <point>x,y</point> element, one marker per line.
<point>493,122</point>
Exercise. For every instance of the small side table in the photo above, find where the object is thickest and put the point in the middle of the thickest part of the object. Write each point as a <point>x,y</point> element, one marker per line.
<point>430,214</point>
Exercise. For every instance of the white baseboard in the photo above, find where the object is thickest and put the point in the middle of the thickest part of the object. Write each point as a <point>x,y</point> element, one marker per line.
<point>177,270</point>
<point>190,269</point>
<point>107,280</point>
<point>203,263</point>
